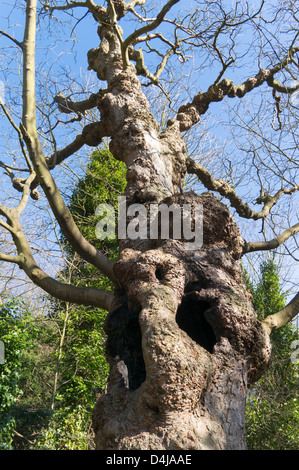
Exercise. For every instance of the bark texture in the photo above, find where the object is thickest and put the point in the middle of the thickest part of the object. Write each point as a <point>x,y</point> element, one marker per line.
<point>183,338</point>
<point>183,344</point>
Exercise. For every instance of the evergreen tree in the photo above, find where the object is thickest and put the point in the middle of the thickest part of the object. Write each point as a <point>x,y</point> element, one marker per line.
<point>272,412</point>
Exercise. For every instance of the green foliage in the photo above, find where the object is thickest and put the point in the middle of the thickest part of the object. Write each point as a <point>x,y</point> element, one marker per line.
<point>103,183</point>
<point>83,368</point>
<point>14,324</point>
<point>268,295</point>
<point>272,412</point>
<point>67,430</point>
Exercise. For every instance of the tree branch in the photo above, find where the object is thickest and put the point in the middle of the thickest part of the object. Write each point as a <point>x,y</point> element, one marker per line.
<point>22,204</point>
<point>271,244</point>
<point>223,188</point>
<point>29,130</point>
<point>11,258</point>
<point>92,135</point>
<point>189,114</point>
<point>67,292</point>
<point>67,106</point>
<point>148,27</point>
<point>132,3</point>
<point>97,10</point>
<point>18,43</point>
<point>283,317</point>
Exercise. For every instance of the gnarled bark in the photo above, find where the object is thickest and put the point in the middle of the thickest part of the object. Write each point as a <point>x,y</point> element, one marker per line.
<point>183,338</point>
<point>183,344</point>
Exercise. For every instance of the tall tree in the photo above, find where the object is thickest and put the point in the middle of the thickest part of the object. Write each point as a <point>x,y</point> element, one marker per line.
<point>184,341</point>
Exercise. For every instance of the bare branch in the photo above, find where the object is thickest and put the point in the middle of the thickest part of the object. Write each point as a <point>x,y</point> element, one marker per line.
<point>132,3</point>
<point>10,258</point>
<point>67,292</point>
<point>271,244</point>
<point>223,188</point>
<point>282,88</point>
<point>27,186</point>
<point>283,317</point>
<point>148,27</point>
<point>189,114</point>
<point>97,10</point>
<point>18,130</point>
<point>67,106</point>
<point>91,135</point>
<point>68,5</point>
<point>18,43</point>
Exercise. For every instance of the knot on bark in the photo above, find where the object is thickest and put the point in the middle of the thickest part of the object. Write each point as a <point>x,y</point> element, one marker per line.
<point>219,229</point>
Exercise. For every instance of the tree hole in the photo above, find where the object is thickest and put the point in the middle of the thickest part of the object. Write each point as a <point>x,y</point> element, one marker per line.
<point>124,344</point>
<point>158,274</point>
<point>191,318</point>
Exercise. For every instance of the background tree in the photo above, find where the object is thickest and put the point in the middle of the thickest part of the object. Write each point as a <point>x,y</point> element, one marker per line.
<point>62,366</point>
<point>183,339</point>
<point>272,407</point>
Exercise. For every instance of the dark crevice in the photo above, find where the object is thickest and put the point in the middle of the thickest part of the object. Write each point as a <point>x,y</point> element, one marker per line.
<point>191,318</point>
<point>124,345</point>
<point>158,274</point>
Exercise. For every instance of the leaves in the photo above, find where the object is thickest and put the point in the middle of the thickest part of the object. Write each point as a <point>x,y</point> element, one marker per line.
<point>272,412</point>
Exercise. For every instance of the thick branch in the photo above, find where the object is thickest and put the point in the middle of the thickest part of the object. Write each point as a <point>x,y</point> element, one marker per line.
<point>67,292</point>
<point>189,114</point>
<point>10,258</point>
<point>92,135</point>
<point>277,86</point>
<point>132,3</point>
<point>271,244</point>
<point>223,188</point>
<point>66,105</point>
<point>283,317</point>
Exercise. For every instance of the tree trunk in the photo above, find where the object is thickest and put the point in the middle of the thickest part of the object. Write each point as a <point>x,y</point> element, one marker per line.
<point>183,339</point>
